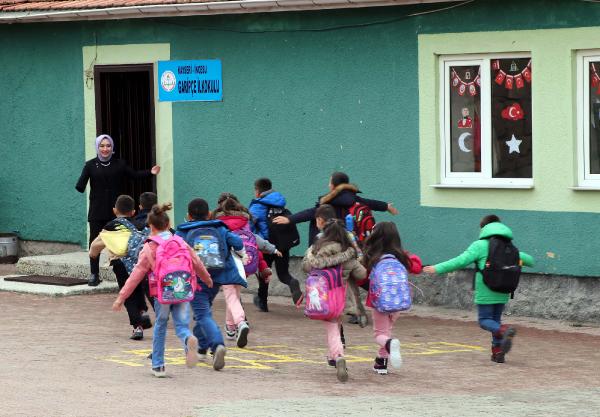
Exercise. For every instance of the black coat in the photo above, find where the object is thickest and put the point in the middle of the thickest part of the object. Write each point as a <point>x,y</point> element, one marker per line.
<point>341,198</point>
<point>105,185</point>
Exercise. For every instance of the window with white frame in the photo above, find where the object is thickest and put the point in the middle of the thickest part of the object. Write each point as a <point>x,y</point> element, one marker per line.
<point>486,120</point>
<point>589,119</point>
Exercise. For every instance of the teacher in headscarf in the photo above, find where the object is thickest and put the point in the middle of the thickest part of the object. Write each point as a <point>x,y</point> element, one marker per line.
<point>105,173</point>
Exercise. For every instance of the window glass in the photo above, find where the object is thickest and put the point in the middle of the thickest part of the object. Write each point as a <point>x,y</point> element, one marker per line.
<point>465,112</point>
<point>594,123</point>
<point>511,139</point>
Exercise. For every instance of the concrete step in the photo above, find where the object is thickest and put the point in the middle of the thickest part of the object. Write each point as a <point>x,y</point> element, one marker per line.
<point>73,264</point>
<point>56,290</point>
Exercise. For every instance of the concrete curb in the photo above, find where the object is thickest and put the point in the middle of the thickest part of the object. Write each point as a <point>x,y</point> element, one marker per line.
<point>73,264</point>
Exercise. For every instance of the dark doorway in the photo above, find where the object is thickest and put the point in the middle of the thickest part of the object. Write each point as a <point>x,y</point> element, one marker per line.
<point>125,111</point>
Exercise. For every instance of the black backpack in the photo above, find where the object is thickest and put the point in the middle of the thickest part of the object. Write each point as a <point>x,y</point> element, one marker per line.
<point>502,267</point>
<point>283,236</point>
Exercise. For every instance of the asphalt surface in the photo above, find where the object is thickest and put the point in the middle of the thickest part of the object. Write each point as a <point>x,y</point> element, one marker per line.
<point>72,356</point>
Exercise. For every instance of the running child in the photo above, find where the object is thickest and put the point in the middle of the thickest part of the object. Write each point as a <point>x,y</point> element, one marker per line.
<point>158,221</point>
<point>266,204</point>
<point>135,304</point>
<point>334,255</point>
<point>213,242</point>
<point>354,305</point>
<point>236,218</point>
<point>386,260</point>
<point>490,304</point>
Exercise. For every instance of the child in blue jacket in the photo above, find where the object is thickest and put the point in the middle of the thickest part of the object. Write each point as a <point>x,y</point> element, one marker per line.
<point>197,231</point>
<point>266,200</point>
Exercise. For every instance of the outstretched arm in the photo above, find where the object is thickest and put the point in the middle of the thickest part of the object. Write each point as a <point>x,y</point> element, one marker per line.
<point>300,217</point>
<point>461,261</point>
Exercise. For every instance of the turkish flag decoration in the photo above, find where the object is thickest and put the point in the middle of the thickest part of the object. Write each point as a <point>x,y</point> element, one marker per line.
<point>509,82</point>
<point>462,89</point>
<point>527,74</point>
<point>472,89</point>
<point>500,77</point>
<point>455,82</point>
<point>519,81</point>
<point>513,112</point>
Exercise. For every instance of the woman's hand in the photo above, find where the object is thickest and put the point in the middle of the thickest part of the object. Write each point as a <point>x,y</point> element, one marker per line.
<point>429,269</point>
<point>393,210</point>
<point>281,220</point>
<point>155,169</point>
<point>278,253</point>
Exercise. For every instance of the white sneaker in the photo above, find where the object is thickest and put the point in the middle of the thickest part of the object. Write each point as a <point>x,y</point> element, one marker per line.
<point>341,370</point>
<point>219,357</point>
<point>242,334</point>
<point>191,354</point>
<point>229,334</point>
<point>395,357</point>
<point>159,372</point>
<point>202,354</point>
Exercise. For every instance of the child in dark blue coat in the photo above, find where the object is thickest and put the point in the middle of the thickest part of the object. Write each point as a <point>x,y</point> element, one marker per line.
<point>212,241</point>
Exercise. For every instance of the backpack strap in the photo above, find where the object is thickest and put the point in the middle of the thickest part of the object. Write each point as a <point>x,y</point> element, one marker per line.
<point>123,221</point>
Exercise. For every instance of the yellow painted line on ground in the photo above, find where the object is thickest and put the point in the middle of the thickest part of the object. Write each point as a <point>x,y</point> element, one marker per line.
<point>261,357</point>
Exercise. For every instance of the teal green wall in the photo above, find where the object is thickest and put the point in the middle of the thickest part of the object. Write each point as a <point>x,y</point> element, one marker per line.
<point>301,99</point>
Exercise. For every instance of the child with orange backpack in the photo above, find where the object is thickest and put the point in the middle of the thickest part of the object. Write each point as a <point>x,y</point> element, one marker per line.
<point>330,262</point>
<point>175,268</point>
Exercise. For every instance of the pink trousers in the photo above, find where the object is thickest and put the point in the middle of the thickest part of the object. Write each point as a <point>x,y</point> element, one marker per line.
<point>234,312</point>
<point>334,343</point>
<point>383,323</point>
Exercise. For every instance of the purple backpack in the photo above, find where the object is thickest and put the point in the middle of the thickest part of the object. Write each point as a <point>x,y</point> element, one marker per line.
<point>325,294</point>
<point>389,287</point>
<point>251,265</point>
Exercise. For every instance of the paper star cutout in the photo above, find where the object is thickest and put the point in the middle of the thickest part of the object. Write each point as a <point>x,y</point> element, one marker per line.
<point>513,144</point>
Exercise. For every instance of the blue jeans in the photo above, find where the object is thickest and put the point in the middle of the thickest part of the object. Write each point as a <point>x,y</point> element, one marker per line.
<point>490,319</point>
<point>206,329</point>
<point>181,321</point>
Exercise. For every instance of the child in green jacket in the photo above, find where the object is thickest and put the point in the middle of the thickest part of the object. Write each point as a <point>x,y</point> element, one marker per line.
<point>490,304</point>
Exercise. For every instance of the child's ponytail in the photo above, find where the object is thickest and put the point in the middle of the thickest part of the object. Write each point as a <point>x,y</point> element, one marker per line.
<point>158,216</point>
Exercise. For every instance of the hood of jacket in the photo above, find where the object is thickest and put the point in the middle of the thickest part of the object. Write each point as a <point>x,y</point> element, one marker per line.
<point>329,255</point>
<point>184,227</point>
<point>271,198</point>
<point>344,195</point>
<point>495,229</point>
<point>234,220</point>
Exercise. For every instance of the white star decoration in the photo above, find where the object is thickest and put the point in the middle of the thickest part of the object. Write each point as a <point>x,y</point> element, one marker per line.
<point>513,144</point>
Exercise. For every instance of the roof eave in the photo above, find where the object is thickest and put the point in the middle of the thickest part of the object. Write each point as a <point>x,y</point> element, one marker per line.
<point>200,8</point>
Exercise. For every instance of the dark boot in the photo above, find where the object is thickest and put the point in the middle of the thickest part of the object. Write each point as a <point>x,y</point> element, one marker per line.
<point>260,300</point>
<point>296,292</point>
<point>94,280</point>
<point>380,366</point>
<point>506,335</point>
<point>497,354</point>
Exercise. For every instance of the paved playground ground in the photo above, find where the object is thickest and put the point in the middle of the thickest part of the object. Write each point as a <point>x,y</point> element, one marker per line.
<point>71,356</point>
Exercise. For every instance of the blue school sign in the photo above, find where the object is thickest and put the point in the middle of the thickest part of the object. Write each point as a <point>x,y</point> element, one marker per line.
<point>190,80</point>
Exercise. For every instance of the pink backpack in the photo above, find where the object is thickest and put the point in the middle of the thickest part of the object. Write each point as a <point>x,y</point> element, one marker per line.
<point>173,277</point>
<point>325,294</point>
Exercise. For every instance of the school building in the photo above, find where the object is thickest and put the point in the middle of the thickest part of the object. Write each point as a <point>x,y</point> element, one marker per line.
<point>451,110</point>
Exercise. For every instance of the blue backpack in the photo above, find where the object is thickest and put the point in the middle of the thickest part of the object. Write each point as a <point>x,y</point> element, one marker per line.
<point>209,245</point>
<point>389,287</point>
<point>134,244</point>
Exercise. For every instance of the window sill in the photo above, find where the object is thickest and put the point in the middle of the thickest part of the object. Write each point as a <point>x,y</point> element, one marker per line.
<point>486,186</point>
<point>586,188</point>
